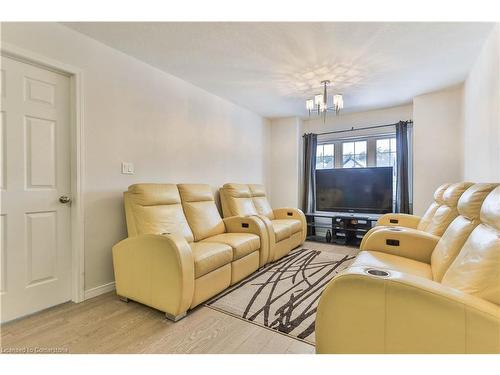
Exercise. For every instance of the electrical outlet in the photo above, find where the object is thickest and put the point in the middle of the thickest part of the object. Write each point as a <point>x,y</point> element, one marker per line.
<point>127,168</point>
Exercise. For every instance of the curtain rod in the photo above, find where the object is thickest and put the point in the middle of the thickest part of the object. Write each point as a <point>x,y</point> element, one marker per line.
<point>364,128</point>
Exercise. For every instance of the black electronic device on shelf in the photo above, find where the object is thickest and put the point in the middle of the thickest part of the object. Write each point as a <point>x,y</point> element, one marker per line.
<point>341,229</point>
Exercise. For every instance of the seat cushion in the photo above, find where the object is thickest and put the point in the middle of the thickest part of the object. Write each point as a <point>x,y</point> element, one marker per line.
<point>241,243</point>
<point>377,259</point>
<point>282,230</point>
<point>208,256</point>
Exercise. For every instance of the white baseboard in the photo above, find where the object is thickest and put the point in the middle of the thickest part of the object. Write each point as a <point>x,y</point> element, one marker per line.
<point>98,290</point>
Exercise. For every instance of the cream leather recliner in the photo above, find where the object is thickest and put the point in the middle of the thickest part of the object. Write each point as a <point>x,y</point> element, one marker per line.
<point>441,298</point>
<point>180,252</point>
<point>436,218</point>
<point>286,227</point>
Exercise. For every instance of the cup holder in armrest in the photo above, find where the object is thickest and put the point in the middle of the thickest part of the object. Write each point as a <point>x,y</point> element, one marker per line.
<point>379,273</point>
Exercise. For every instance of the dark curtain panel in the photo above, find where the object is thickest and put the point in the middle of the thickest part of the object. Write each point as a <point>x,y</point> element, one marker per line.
<point>309,199</point>
<point>403,176</point>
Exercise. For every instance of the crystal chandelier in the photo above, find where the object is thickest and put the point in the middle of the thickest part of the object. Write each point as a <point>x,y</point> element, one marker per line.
<point>319,104</point>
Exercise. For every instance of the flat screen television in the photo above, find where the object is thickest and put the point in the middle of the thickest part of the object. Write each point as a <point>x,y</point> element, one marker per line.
<point>362,190</point>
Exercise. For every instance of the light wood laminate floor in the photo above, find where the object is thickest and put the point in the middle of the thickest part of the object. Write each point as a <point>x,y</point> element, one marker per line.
<point>105,324</point>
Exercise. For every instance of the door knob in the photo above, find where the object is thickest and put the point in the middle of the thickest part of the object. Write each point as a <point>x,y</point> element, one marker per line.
<point>64,199</point>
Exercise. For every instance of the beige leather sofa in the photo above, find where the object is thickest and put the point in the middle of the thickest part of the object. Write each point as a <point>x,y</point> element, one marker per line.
<point>286,227</point>
<point>434,221</point>
<point>441,297</point>
<point>180,252</point>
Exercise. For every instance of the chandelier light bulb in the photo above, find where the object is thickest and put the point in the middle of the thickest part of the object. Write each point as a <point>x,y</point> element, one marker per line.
<point>318,99</point>
<point>338,102</point>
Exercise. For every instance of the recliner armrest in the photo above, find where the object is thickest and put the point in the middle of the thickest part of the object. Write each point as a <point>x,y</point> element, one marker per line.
<point>250,224</point>
<point>270,234</point>
<point>403,220</point>
<point>402,313</point>
<point>405,242</point>
<point>292,213</point>
<point>157,270</point>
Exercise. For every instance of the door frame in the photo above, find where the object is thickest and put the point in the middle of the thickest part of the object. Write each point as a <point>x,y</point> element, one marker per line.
<point>77,150</point>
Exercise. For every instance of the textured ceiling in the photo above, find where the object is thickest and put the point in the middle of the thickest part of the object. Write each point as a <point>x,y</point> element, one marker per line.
<point>271,68</point>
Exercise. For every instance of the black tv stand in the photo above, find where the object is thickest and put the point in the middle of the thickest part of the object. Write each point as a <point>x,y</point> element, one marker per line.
<point>341,228</point>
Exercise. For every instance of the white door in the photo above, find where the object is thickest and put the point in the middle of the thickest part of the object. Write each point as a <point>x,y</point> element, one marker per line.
<point>35,173</point>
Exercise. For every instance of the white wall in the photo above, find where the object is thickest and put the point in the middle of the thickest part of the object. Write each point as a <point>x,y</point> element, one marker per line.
<point>437,143</point>
<point>482,114</point>
<point>285,162</point>
<point>171,130</point>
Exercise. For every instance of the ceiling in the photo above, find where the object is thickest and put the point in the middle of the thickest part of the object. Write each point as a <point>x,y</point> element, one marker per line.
<point>271,68</point>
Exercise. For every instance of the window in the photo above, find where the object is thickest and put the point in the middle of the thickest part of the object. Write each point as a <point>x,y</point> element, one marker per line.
<point>354,154</point>
<point>386,152</point>
<point>325,156</point>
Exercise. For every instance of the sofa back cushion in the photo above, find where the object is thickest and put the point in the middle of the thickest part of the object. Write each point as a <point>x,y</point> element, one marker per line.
<point>236,200</point>
<point>450,244</point>
<point>476,269</point>
<point>260,200</point>
<point>448,211</point>
<point>200,210</point>
<point>429,213</point>
<point>155,209</point>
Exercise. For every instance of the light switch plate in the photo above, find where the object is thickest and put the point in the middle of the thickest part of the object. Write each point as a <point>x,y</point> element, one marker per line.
<point>127,168</point>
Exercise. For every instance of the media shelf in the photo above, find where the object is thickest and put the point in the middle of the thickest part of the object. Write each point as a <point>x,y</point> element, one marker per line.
<point>339,228</point>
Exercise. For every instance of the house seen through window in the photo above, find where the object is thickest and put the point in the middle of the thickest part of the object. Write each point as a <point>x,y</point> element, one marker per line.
<point>354,154</point>
<point>325,156</point>
<point>368,152</point>
<point>386,152</point>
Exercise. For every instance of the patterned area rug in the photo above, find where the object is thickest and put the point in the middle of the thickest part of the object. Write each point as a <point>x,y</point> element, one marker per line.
<point>284,295</point>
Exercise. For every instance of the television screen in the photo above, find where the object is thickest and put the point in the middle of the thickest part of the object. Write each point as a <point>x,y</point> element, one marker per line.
<point>364,190</point>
